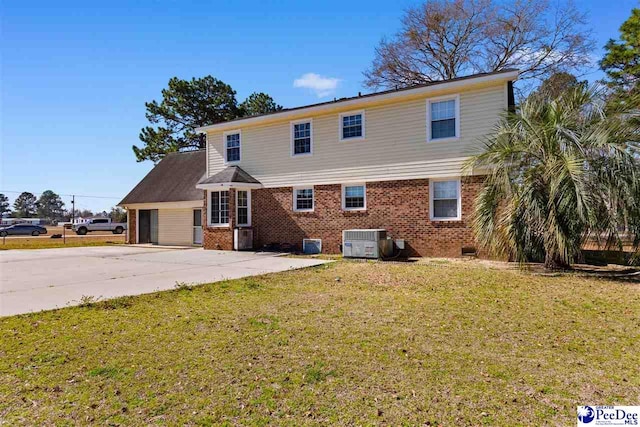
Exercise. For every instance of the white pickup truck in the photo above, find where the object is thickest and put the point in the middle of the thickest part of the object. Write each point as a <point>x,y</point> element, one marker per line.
<point>99,224</point>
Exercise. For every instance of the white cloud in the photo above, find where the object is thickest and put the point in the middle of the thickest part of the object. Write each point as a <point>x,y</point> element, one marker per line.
<point>321,86</point>
<point>526,55</point>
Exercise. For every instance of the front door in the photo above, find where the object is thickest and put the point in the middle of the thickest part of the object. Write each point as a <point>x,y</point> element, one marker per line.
<point>144,226</point>
<point>197,226</point>
<point>148,226</point>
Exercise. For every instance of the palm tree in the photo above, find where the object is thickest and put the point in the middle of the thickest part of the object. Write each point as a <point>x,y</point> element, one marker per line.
<point>560,171</point>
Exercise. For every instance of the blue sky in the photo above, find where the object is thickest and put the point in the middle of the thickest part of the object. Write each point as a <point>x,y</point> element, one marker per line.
<point>75,75</point>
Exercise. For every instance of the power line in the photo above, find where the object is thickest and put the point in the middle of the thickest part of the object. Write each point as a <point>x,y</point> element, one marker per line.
<point>67,195</point>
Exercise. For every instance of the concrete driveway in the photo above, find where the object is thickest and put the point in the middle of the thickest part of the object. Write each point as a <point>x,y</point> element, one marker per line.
<point>33,280</point>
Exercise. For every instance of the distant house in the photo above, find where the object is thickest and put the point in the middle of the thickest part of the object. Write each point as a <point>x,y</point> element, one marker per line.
<point>390,160</point>
<point>165,208</point>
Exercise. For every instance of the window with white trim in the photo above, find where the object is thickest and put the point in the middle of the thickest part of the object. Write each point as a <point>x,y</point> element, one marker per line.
<point>445,199</point>
<point>352,125</point>
<point>232,147</point>
<point>219,208</point>
<point>243,206</point>
<point>354,197</point>
<point>303,199</point>
<point>302,138</point>
<point>443,117</point>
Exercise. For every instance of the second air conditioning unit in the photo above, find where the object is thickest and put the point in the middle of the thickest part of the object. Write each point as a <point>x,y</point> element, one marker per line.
<point>371,243</point>
<point>242,239</point>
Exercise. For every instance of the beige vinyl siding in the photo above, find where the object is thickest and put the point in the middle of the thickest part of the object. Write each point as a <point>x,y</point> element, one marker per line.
<point>175,226</point>
<point>395,146</point>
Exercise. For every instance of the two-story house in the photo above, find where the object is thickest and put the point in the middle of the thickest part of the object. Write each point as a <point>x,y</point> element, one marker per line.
<point>391,160</point>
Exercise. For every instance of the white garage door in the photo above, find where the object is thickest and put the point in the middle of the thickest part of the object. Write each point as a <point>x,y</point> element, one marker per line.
<point>175,226</point>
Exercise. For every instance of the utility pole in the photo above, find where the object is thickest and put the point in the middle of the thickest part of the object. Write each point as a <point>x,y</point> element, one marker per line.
<point>73,209</point>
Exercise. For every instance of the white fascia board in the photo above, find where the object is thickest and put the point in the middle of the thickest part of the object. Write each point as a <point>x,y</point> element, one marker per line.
<point>165,205</point>
<point>227,185</point>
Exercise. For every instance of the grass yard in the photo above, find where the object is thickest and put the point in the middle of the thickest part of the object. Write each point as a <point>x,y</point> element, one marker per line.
<point>347,343</point>
<point>72,242</point>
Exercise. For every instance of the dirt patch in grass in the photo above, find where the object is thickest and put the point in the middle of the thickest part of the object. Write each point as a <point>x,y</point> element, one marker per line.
<point>347,343</point>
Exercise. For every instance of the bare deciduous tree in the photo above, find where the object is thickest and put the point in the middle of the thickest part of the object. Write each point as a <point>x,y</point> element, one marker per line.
<point>443,39</point>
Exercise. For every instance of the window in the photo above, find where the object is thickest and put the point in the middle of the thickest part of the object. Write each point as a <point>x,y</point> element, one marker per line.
<point>197,217</point>
<point>301,138</point>
<point>303,199</point>
<point>232,147</point>
<point>354,197</point>
<point>443,119</point>
<point>100,221</point>
<point>243,206</point>
<point>445,199</point>
<point>352,125</point>
<point>219,208</point>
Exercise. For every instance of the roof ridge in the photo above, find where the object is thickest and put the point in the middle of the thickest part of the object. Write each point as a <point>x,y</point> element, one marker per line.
<point>185,152</point>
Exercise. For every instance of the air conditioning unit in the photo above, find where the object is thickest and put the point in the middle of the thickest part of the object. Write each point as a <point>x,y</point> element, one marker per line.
<point>242,239</point>
<point>366,244</point>
<point>312,246</point>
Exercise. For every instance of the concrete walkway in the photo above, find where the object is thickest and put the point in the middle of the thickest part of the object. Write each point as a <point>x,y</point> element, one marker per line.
<point>33,280</point>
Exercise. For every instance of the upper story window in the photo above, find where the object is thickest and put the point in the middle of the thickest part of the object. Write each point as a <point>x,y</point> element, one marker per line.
<point>443,118</point>
<point>219,208</point>
<point>352,125</point>
<point>301,138</point>
<point>354,197</point>
<point>232,146</point>
<point>445,203</point>
<point>303,199</point>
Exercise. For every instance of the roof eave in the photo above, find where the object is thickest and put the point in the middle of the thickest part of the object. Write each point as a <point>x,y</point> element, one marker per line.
<point>221,186</point>
<point>362,101</point>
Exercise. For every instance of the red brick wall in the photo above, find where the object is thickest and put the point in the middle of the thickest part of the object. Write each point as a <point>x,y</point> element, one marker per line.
<point>400,207</point>
<point>220,238</point>
<point>131,226</point>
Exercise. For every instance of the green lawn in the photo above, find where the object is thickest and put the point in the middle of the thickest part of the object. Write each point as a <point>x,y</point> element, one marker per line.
<point>348,343</point>
<point>43,243</point>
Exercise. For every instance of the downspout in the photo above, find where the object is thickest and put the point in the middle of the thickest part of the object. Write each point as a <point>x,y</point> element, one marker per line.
<point>511,99</point>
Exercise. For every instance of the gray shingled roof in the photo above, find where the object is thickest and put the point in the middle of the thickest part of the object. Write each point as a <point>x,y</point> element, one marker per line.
<point>174,179</point>
<point>230,174</point>
<point>368,95</point>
